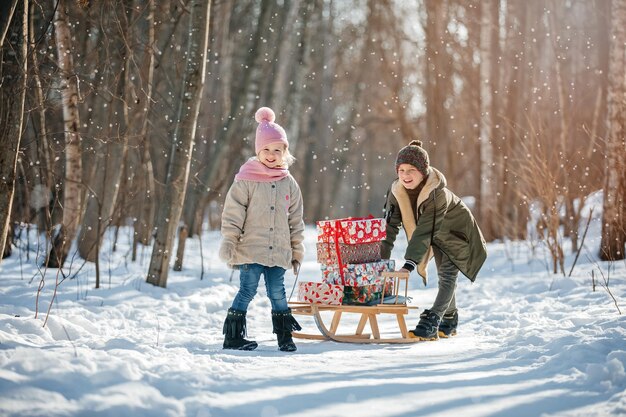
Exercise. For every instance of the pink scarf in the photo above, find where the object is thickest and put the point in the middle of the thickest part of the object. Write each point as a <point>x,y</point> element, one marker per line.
<point>254,170</point>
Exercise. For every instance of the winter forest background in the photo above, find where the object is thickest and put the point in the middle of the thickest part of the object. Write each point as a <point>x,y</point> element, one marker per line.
<point>139,112</point>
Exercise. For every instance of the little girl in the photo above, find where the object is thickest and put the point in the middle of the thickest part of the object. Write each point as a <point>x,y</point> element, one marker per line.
<point>262,231</point>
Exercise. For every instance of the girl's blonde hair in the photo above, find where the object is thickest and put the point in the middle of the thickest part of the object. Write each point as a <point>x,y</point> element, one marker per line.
<point>288,158</point>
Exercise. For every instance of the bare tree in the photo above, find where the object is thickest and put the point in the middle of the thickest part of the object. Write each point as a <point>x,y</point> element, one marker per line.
<point>437,80</point>
<point>105,183</point>
<point>232,125</point>
<point>489,36</point>
<point>13,94</point>
<point>178,172</point>
<point>73,164</point>
<point>223,148</point>
<point>8,10</point>
<point>614,212</point>
<point>514,84</point>
<point>217,84</point>
<point>40,148</point>
<point>144,219</point>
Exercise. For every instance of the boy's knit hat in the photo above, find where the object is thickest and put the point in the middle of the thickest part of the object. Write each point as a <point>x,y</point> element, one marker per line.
<point>268,132</point>
<point>415,155</point>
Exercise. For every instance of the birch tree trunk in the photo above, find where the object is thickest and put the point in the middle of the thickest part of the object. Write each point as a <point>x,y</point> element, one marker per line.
<point>614,206</point>
<point>178,172</point>
<point>73,164</point>
<point>13,93</point>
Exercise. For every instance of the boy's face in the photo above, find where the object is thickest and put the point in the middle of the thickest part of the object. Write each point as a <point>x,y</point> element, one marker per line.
<point>272,155</point>
<point>409,176</point>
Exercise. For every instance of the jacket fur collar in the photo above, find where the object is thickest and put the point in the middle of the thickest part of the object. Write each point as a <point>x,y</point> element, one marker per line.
<point>409,214</point>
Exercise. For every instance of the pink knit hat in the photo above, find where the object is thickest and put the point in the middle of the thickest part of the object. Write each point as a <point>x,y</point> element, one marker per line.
<point>268,132</point>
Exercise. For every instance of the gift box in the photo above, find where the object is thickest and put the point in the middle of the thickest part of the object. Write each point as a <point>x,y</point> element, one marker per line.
<point>351,230</point>
<point>342,253</point>
<point>320,293</point>
<point>367,294</point>
<point>356,274</point>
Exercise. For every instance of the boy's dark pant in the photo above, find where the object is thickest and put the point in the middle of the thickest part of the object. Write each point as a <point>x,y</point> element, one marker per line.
<point>447,272</point>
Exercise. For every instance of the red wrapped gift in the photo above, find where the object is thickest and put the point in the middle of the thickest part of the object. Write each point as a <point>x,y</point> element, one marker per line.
<point>348,254</point>
<point>320,293</point>
<point>351,230</point>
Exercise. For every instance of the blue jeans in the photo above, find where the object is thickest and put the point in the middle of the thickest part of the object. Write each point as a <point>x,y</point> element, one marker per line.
<point>249,276</point>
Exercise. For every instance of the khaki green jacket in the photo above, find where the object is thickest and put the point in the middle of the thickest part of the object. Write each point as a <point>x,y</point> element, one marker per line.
<point>262,223</point>
<point>443,221</point>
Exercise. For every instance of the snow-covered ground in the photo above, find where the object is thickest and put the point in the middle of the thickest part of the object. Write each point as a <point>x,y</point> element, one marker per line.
<point>530,343</point>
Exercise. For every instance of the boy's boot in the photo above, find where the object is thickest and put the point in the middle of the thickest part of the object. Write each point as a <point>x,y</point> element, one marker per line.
<point>284,323</point>
<point>427,327</point>
<point>448,324</point>
<point>235,329</point>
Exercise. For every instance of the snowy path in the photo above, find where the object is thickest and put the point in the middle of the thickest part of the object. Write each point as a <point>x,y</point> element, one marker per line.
<point>530,343</point>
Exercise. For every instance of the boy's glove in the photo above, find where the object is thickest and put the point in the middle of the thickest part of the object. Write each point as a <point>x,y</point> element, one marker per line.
<point>296,266</point>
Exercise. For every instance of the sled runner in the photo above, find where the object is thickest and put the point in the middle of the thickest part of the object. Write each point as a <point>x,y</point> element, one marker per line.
<point>394,304</point>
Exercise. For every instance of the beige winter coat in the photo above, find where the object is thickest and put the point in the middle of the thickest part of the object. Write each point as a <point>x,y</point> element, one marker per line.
<point>262,223</point>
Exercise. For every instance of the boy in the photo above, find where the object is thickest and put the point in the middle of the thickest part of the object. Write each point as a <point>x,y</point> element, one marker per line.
<point>437,223</point>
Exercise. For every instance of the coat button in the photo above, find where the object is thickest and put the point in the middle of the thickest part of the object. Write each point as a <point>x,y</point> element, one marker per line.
<point>273,185</point>
<point>272,208</point>
<point>271,247</point>
<point>271,229</point>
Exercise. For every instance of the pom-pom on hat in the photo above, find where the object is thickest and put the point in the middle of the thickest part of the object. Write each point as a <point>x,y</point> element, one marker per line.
<point>268,132</point>
<point>414,154</point>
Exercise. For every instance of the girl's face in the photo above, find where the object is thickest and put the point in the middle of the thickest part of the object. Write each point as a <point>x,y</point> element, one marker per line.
<point>272,155</point>
<point>409,176</point>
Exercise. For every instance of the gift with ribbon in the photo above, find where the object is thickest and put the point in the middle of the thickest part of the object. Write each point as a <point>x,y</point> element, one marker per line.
<point>320,293</point>
<point>351,230</point>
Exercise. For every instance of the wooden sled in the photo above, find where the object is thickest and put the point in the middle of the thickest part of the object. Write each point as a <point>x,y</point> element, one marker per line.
<point>368,314</point>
